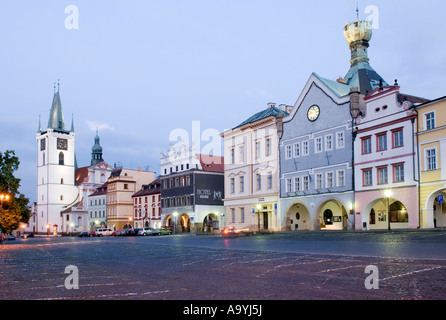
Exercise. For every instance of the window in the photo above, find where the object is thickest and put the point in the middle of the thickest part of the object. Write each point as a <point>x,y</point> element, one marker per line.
<point>366,145</point>
<point>382,175</point>
<point>381,142</point>
<point>329,179</point>
<point>288,152</point>
<point>232,215</point>
<point>397,138</point>
<point>232,185</point>
<point>340,143</point>
<point>232,156</point>
<point>429,120</point>
<point>367,177</point>
<point>288,185</point>
<point>318,145</point>
<point>259,181</point>
<point>306,183</point>
<point>296,147</point>
<point>431,159</point>
<point>61,158</point>
<point>268,146</point>
<point>329,142</point>
<point>242,154</point>
<point>242,215</point>
<point>318,181</point>
<point>340,178</point>
<point>242,184</point>
<point>305,149</point>
<point>398,172</point>
<point>296,184</point>
<point>126,186</point>
<point>258,149</point>
<point>270,180</point>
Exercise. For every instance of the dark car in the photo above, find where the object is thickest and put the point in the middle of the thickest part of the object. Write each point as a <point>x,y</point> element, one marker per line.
<point>134,232</point>
<point>119,233</point>
<point>9,237</point>
<point>83,234</point>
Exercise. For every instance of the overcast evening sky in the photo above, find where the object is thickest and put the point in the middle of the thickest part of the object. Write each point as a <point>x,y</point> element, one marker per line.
<point>137,70</point>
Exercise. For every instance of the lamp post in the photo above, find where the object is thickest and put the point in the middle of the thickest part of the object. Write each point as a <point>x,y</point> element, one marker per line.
<point>175,222</point>
<point>388,194</point>
<point>3,197</point>
<point>130,221</point>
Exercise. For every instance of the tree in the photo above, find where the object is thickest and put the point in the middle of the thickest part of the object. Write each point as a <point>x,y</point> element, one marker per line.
<point>13,211</point>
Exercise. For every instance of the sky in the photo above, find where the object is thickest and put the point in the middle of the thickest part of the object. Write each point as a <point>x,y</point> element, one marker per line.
<point>138,70</point>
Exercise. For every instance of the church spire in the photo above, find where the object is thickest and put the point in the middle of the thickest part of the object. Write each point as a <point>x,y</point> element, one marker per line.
<point>72,123</point>
<point>96,151</point>
<point>56,120</point>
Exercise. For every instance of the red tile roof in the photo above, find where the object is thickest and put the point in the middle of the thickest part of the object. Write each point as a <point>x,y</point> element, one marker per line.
<point>211,163</point>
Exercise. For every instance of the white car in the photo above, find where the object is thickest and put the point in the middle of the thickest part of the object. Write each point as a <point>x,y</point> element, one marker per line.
<point>104,232</point>
<point>147,231</point>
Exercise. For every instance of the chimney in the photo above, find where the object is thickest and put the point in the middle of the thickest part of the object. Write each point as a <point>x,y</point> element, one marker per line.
<point>271,105</point>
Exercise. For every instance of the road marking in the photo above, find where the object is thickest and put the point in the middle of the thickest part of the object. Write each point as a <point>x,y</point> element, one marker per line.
<point>410,273</point>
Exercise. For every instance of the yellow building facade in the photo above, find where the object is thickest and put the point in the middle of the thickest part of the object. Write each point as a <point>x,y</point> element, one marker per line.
<point>431,138</point>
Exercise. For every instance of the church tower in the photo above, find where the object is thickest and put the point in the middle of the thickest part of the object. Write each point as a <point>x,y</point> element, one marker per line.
<point>96,151</point>
<point>55,170</point>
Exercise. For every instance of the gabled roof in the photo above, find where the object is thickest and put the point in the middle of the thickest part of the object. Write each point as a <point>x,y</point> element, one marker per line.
<point>102,190</point>
<point>79,175</point>
<point>338,88</point>
<point>149,189</point>
<point>270,111</point>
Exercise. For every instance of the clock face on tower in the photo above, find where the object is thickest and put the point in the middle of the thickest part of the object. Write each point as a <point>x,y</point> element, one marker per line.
<point>62,144</point>
<point>313,113</point>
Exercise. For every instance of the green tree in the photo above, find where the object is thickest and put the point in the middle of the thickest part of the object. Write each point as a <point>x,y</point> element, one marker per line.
<point>13,211</point>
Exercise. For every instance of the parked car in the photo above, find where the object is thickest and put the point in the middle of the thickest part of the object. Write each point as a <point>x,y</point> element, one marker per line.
<point>147,231</point>
<point>134,232</point>
<point>164,231</point>
<point>104,232</point>
<point>83,234</point>
<point>92,234</point>
<point>9,237</point>
<point>119,233</point>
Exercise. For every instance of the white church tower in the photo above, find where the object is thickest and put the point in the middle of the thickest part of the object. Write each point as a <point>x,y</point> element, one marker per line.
<point>56,164</point>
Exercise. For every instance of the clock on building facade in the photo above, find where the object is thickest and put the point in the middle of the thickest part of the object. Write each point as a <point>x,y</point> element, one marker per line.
<point>313,113</point>
<point>62,144</point>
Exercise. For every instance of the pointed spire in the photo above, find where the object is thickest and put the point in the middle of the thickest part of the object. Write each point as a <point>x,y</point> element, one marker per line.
<point>56,120</point>
<point>39,128</point>
<point>72,123</point>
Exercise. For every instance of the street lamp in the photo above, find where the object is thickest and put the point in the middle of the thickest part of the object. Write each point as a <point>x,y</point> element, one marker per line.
<point>388,194</point>
<point>175,222</point>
